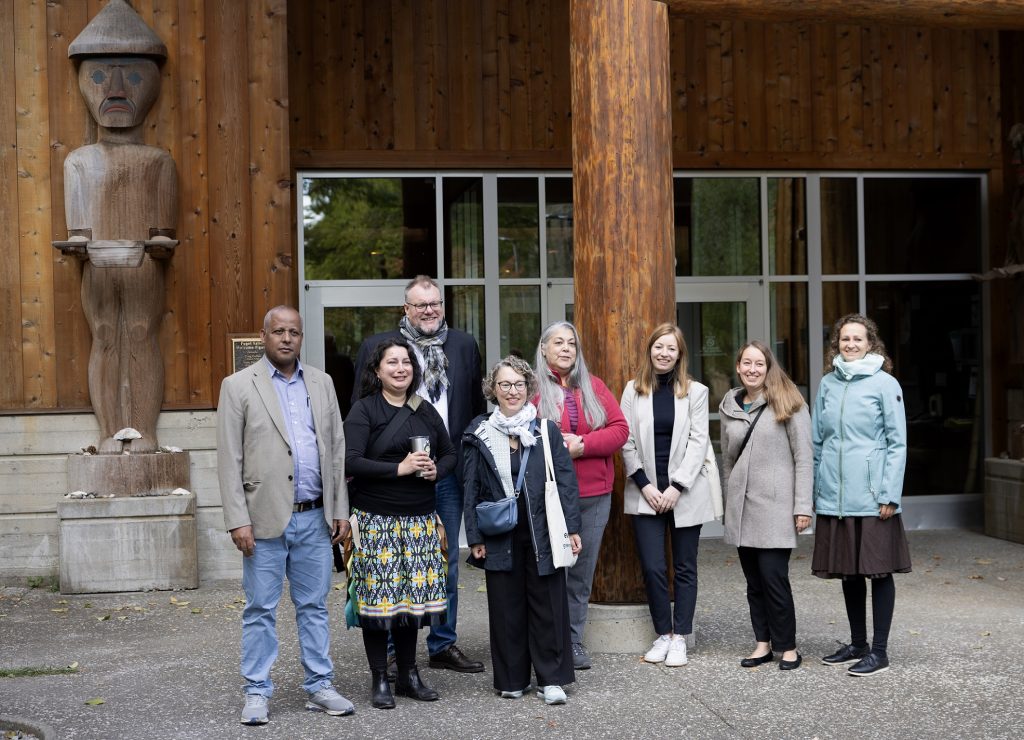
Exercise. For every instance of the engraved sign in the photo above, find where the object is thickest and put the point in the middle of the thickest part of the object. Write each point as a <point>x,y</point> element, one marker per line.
<point>246,349</point>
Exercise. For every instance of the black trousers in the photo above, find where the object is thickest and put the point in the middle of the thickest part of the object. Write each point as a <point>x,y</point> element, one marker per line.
<point>529,623</point>
<point>770,596</point>
<point>650,545</point>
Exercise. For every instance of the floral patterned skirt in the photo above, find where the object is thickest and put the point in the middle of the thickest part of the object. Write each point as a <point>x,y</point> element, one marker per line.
<point>399,572</point>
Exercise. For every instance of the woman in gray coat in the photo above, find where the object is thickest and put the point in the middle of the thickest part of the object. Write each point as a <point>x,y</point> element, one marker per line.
<point>768,475</point>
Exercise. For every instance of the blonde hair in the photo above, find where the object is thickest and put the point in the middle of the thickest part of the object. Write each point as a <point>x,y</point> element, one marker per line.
<point>779,391</point>
<point>645,382</point>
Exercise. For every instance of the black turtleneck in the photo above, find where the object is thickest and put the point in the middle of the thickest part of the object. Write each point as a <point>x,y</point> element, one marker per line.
<point>664,402</point>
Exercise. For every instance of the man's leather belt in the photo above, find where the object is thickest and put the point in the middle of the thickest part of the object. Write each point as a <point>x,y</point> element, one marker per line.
<point>307,505</point>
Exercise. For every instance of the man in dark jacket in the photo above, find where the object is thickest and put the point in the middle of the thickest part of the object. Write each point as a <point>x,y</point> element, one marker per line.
<point>451,365</point>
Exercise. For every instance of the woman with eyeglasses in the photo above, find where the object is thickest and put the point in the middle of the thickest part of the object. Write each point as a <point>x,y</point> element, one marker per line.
<point>594,429</point>
<point>503,457</point>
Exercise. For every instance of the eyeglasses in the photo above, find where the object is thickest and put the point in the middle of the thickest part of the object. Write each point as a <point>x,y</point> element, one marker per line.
<point>505,386</point>
<point>422,307</point>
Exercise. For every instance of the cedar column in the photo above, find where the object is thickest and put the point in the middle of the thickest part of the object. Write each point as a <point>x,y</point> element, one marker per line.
<point>622,215</point>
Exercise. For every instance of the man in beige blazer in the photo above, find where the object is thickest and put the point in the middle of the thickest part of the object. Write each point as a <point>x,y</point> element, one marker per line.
<point>281,466</point>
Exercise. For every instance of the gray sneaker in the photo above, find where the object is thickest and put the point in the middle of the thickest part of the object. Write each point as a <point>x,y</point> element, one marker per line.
<point>255,710</point>
<point>329,701</point>
<point>580,658</point>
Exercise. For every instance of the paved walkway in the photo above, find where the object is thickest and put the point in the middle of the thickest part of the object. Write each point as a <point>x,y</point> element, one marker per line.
<point>165,665</point>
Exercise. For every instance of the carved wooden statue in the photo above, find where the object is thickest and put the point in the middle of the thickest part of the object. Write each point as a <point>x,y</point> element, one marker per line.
<point>121,207</point>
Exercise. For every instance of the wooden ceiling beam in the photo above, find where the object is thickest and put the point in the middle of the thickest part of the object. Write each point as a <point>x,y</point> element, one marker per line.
<point>999,14</point>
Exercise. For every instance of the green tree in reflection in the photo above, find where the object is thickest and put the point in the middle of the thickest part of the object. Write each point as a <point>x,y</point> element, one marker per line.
<point>353,228</point>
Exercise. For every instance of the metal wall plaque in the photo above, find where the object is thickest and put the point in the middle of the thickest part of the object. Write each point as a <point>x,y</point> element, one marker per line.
<point>246,350</point>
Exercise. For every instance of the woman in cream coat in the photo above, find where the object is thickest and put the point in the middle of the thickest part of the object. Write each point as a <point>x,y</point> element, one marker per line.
<point>668,486</point>
<point>768,494</point>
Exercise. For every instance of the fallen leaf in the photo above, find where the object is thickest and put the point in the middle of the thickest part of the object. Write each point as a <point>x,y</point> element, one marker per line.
<point>104,618</point>
<point>196,610</point>
<point>976,577</point>
<point>95,701</point>
<point>122,618</point>
<point>986,633</point>
<point>983,561</point>
<point>183,603</point>
<point>62,601</point>
<point>74,665</point>
<point>482,589</point>
<point>59,611</point>
<point>915,632</point>
<point>339,586</point>
<point>87,605</point>
<point>230,606</point>
<point>1000,578</point>
<point>174,599</point>
<point>138,609</point>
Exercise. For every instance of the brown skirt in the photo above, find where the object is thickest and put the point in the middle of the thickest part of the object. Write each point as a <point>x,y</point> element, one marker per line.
<point>859,546</point>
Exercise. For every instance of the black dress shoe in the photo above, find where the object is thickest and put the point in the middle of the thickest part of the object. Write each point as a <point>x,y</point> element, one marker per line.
<point>755,662</point>
<point>410,684</point>
<point>791,665</point>
<point>846,654</point>
<point>869,665</point>
<point>454,660</point>
<point>380,691</point>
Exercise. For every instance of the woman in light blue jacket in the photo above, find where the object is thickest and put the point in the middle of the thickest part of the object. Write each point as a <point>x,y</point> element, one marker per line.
<point>859,430</point>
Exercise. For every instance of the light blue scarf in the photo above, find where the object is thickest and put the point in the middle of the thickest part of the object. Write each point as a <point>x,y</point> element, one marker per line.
<point>869,364</point>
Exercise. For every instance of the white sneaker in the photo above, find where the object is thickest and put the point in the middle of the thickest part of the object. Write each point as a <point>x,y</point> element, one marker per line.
<point>255,710</point>
<point>552,694</point>
<point>676,652</point>
<point>658,650</point>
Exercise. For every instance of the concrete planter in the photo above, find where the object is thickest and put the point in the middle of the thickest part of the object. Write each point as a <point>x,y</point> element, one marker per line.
<point>136,543</point>
<point>1004,499</point>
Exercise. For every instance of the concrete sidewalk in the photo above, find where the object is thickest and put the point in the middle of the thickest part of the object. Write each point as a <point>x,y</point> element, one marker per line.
<point>166,664</point>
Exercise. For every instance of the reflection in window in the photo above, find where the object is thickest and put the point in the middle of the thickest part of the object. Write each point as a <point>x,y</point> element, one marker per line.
<point>789,332</point>
<point>915,225</point>
<point>464,309</point>
<point>787,226</point>
<point>520,320</point>
<point>463,227</point>
<point>518,227</point>
<point>558,223</point>
<point>717,226</point>
<point>713,333</point>
<point>344,330</point>
<point>368,228</point>
<point>938,364</point>
<point>839,226</point>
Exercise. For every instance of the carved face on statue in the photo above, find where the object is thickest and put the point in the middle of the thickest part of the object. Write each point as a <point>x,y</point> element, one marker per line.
<point>119,90</point>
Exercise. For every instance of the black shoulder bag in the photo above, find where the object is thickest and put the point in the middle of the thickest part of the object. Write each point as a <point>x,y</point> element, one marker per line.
<point>750,430</point>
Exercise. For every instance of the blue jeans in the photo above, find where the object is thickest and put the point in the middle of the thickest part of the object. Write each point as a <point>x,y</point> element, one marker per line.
<point>449,508</point>
<point>303,554</point>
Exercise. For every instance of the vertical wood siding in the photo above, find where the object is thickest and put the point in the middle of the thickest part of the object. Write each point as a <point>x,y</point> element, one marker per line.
<point>223,116</point>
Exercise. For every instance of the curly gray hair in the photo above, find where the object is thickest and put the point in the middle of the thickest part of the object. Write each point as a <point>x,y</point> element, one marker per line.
<point>516,365</point>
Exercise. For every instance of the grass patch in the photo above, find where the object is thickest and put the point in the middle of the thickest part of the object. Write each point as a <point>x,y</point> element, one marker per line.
<point>29,671</point>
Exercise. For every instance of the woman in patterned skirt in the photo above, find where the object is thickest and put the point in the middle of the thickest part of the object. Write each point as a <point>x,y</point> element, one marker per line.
<point>398,565</point>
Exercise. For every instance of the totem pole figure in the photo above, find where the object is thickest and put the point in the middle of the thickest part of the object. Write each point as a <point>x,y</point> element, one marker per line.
<point>121,206</point>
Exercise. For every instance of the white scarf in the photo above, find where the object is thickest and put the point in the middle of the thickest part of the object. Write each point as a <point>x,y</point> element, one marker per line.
<point>869,364</point>
<point>495,433</point>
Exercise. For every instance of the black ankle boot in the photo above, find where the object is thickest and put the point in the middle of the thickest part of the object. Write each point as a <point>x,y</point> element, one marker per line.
<point>380,690</point>
<point>410,684</point>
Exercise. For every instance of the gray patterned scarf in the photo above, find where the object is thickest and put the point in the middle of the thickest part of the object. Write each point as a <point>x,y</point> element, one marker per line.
<point>496,430</point>
<point>435,374</point>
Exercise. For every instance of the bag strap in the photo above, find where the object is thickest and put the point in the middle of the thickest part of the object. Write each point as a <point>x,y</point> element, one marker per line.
<point>381,441</point>
<point>549,465</point>
<point>522,463</point>
<point>750,430</point>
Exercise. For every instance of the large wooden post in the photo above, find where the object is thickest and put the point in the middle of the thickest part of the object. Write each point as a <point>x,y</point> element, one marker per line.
<point>622,214</point>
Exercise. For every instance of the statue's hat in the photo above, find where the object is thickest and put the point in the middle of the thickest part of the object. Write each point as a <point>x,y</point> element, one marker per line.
<point>117,29</point>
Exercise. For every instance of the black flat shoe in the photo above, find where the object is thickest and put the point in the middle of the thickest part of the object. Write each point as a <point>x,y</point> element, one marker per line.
<point>755,662</point>
<point>410,684</point>
<point>791,665</point>
<point>380,691</point>
<point>869,665</point>
<point>845,655</point>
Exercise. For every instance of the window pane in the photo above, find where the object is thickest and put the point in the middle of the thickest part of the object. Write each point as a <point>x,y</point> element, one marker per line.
<point>932,331</point>
<point>463,227</point>
<point>787,225</point>
<point>520,320</point>
<point>464,309</point>
<point>558,222</point>
<point>839,225</point>
<point>717,226</point>
<point>713,332</point>
<point>922,225</point>
<point>369,228</point>
<point>789,332</point>
<point>837,300</point>
<point>344,330</point>
<point>518,228</point>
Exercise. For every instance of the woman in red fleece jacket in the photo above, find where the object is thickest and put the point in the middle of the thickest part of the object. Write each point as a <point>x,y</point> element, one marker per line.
<point>594,429</point>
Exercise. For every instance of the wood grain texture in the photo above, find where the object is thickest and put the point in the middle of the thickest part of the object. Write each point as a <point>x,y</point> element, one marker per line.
<point>623,213</point>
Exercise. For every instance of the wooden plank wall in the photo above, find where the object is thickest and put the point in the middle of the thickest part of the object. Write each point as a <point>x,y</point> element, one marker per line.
<point>223,116</point>
<point>471,83</point>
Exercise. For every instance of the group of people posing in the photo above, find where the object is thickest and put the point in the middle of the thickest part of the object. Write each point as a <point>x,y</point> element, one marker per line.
<point>423,456</point>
